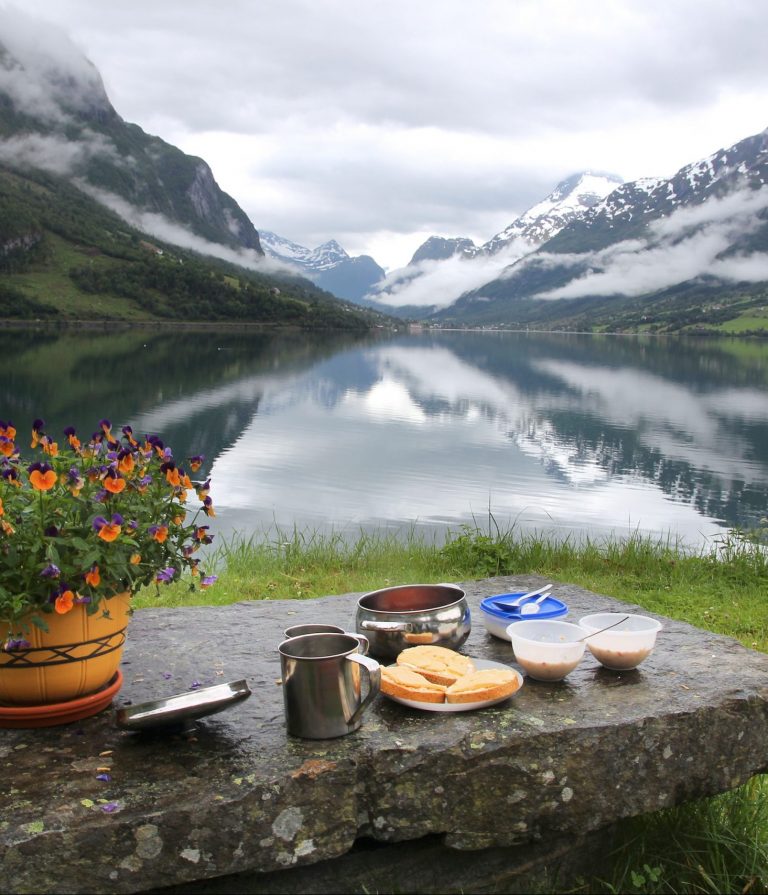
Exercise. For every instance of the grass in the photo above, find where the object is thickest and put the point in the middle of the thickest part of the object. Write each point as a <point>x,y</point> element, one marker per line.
<point>712,846</point>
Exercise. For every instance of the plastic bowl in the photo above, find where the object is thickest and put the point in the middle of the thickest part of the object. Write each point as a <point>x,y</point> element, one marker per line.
<point>625,646</point>
<point>498,620</point>
<point>547,650</point>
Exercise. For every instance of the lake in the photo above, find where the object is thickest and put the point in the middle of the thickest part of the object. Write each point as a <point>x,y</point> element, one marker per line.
<point>563,434</point>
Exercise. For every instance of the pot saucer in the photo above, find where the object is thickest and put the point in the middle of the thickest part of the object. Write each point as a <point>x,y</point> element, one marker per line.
<point>29,716</point>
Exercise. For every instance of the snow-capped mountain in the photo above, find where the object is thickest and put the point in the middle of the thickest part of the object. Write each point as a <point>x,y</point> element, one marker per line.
<point>444,269</point>
<point>328,265</point>
<point>570,200</point>
<point>654,251</point>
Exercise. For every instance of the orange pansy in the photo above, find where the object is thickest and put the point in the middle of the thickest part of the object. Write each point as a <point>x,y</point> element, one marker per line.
<point>42,481</point>
<point>93,577</point>
<point>64,602</point>
<point>114,485</point>
<point>109,532</point>
<point>135,559</point>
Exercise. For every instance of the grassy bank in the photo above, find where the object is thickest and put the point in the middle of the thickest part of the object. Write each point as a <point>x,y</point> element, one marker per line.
<point>713,846</point>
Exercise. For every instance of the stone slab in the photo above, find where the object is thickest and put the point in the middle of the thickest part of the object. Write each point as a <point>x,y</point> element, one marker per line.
<point>239,795</point>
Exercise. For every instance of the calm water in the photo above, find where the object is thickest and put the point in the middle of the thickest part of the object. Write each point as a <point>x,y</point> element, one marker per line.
<point>555,433</point>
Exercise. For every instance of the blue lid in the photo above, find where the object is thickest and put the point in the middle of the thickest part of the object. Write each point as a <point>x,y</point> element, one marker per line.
<point>550,607</point>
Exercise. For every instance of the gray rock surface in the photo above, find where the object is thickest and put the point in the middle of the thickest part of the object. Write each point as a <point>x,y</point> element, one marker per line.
<point>238,795</point>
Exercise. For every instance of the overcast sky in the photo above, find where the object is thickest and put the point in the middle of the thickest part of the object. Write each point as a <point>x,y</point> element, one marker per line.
<point>382,123</point>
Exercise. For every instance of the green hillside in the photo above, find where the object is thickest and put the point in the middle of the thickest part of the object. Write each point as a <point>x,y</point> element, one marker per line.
<point>63,256</point>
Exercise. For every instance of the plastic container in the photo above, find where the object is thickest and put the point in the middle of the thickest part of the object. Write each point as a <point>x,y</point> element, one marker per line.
<point>627,644</point>
<point>497,620</point>
<point>547,650</point>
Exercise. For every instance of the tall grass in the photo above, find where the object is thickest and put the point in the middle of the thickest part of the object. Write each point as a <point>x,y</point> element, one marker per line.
<point>715,845</point>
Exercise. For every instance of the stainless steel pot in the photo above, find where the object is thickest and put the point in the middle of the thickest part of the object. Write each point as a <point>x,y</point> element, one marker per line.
<point>396,618</point>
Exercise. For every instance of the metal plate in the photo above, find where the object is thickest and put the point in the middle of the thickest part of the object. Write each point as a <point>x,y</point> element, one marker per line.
<point>182,709</point>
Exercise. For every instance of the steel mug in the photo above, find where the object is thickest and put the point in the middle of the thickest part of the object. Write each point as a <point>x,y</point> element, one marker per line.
<point>322,687</point>
<point>298,630</point>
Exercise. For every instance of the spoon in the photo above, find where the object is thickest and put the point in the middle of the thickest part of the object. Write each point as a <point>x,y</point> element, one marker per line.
<point>601,629</point>
<point>515,604</point>
<point>533,607</point>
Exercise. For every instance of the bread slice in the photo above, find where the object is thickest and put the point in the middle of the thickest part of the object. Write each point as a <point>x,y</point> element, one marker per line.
<point>399,681</point>
<point>436,663</point>
<point>479,686</point>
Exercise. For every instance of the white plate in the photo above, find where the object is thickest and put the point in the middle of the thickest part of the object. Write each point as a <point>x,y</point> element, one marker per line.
<point>461,706</point>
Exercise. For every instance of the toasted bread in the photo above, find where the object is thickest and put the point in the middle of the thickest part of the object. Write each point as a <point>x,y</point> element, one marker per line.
<point>479,686</point>
<point>396,680</point>
<point>436,663</point>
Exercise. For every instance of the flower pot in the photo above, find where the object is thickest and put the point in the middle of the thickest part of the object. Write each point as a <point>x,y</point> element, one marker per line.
<point>77,656</point>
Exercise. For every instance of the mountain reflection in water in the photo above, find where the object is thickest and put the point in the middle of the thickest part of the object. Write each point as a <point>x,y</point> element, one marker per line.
<point>552,432</point>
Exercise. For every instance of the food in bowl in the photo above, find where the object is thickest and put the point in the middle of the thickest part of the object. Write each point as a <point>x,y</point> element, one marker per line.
<point>436,663</point>
<point>548,650</point>
<point>626,644</point>
<point>497,620</point>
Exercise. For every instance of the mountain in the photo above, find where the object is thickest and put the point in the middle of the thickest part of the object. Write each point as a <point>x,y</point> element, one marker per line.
<point>690,250</point>
<point>101,221</point>
<point>437,248</point>
<point>570,201</point>
<point>448,268</point>
<point>328,266</point>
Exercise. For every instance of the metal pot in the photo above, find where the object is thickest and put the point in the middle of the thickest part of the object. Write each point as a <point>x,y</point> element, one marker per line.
<point>396,618</point>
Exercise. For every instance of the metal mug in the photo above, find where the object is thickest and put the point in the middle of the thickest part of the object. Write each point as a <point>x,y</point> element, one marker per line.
<point>300,630</point>
<point>322,687</point>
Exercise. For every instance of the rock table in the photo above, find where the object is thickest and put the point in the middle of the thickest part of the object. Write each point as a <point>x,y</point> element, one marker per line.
<point>90,808</point>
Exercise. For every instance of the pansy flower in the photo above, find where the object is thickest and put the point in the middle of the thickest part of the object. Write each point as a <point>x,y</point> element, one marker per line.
<point>196,462</point>
<point>11,476</point>
<point>125,461</point>
<point>171,474</point>
<point>51,571</point>
<point>159,533</point>
<point>208,507</point>
<point>20,643</point>
<point>2,510</point>
<point>49,446</point>
<point>108,531</point>
<point>7,429</point>
<point>75,481</point>
<point>113,481</point>
<point>7,446</point>
<point>201,534</point>
<point>74,441</point>
<point>128,432</point>
<point>208,581</point>
<point>93,576</point>
<point>37,430</point>
<point>64,602</point>
<point>42,477</point>
<point>135,559</point>
<point>165,576</point>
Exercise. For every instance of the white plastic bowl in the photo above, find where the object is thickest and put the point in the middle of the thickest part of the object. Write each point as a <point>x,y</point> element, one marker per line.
<point>625,646</point>
<point>547,650</point>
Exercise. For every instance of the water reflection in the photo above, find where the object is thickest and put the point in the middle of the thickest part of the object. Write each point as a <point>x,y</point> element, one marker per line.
<point>565,432</point>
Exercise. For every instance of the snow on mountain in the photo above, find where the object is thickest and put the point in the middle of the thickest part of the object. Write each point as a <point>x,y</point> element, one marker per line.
<point>328,265</point>
<point>571,199</point>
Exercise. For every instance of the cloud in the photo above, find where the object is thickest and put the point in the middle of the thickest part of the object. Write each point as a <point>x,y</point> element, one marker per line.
<point>686,245</point>
<point>166,230</point>
<point>347,121</point>
<point>440,283</point>
<point>49,69</point>
<point>55,154</point>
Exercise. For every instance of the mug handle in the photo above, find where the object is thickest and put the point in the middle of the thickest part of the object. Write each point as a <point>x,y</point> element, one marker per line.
<point>374,683</point>
<point>365,643</point>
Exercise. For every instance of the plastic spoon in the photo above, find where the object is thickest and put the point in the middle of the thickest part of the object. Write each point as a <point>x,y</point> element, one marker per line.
<point>515,604</point>
<point>534,606</point>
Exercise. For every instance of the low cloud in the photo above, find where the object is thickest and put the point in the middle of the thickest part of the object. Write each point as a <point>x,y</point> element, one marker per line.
<point>440,283</point>
<point>686,245</point>
<point>55,154</point>
<point>162,228</point>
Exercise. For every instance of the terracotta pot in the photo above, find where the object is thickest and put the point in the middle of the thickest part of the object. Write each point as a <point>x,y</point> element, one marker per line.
<point>78,655</point>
